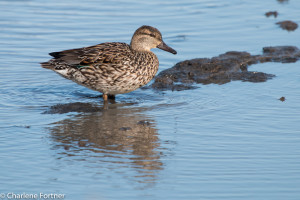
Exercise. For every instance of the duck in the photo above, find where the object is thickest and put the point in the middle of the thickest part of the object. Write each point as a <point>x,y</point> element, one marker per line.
<point>112,67</point>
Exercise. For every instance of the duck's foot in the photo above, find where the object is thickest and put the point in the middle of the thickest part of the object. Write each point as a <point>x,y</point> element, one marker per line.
<point>111,97</point>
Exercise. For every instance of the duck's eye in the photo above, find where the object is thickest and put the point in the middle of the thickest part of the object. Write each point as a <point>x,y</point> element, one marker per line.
<point>152,35</point>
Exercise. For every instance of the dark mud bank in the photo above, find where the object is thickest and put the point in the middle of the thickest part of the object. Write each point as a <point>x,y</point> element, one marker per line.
<point>222,69</point>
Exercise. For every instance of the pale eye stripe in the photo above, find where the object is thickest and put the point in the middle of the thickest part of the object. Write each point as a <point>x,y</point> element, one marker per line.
<point>149,34</point>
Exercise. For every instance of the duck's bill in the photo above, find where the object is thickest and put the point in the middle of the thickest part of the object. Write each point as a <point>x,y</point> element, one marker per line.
<point>165,47</point>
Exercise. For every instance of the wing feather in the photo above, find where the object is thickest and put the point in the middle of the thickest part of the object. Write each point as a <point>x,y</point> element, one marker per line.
<point>102,53</point>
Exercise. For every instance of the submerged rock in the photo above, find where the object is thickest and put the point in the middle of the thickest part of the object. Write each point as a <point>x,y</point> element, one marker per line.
<point>222,69</point>
<point>288,25</point>
<point>72,107</point>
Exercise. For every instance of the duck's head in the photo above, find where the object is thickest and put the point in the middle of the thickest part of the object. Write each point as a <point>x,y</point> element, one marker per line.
<point>148,37</point>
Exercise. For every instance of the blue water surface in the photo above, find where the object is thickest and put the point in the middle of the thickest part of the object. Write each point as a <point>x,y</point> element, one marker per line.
<point>230,141</point>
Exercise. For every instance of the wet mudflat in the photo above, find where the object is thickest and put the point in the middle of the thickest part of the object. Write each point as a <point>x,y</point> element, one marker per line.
<point>223,69</point>
<point>220,120</point>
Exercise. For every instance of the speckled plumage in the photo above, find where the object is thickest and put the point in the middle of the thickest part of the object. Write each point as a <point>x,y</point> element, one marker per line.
<point>113,67</point>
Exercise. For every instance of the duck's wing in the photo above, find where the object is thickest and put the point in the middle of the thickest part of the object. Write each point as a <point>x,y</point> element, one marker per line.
<point>101,53</point>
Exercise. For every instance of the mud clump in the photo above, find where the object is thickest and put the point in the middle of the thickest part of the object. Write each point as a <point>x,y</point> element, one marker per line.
<point>222,69</point>
<point>282,99</point>
<point>271,13</point>
<point>288,25</point>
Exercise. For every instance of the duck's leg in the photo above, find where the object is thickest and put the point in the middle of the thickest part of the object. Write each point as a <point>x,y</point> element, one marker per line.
<point>105,97</point>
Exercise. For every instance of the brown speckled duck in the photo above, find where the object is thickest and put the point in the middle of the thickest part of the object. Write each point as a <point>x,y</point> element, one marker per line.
<point>113,67</point>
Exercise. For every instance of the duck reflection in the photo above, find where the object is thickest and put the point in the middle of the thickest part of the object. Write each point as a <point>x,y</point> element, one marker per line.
<point>119,136</point>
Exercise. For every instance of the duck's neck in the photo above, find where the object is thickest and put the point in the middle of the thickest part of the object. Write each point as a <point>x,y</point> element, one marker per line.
<point>139,45</point>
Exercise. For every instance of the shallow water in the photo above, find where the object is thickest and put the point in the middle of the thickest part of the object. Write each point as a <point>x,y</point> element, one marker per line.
<point>231,141</point>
